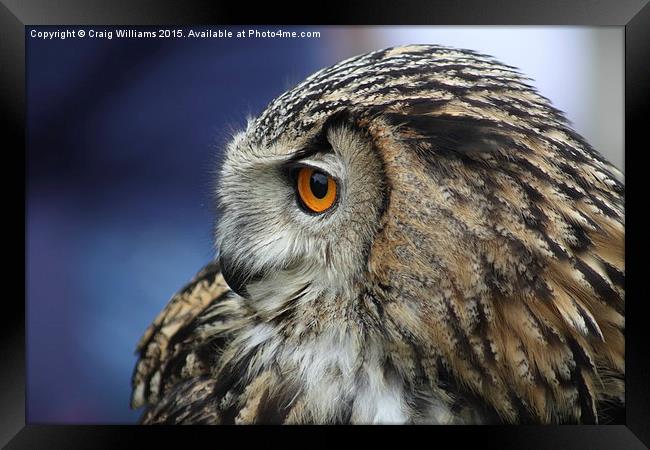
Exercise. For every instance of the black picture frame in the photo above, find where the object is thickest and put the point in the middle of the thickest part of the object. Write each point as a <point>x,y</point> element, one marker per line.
<point>634,15</point>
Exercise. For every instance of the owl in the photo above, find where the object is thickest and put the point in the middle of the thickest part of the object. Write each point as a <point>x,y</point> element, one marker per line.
<point>410,236</point>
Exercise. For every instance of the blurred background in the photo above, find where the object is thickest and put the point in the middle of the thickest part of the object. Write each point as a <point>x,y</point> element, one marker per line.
<point>123,136</point>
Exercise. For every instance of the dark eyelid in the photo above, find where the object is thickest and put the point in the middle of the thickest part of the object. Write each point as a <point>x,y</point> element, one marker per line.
<point>294,165</point>
<point>290,170</point>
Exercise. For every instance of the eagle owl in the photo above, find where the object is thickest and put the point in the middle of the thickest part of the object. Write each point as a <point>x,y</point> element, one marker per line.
<point>413,235</point>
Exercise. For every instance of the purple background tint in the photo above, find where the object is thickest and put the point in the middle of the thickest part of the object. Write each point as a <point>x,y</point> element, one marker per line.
<point>123,140</point>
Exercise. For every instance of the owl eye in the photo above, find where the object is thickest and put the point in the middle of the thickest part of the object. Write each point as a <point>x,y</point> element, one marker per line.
<point>316,190</point>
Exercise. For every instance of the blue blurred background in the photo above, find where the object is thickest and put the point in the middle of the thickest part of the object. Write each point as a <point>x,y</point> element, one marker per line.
<point>123,139</point>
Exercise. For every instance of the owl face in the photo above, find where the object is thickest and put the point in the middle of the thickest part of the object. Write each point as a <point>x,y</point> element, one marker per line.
<point>300,212</point>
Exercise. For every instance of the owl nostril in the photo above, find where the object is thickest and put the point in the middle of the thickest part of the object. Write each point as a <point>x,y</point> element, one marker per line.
<point>236,280</point>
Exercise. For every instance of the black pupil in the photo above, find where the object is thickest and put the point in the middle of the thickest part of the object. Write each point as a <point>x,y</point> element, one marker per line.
<point>318,184</point>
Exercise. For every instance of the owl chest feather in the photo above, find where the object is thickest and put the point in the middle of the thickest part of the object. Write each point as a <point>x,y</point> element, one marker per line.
<point>336,376</point>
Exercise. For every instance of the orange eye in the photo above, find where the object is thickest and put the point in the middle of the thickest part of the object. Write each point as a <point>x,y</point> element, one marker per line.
<point>317,190</point>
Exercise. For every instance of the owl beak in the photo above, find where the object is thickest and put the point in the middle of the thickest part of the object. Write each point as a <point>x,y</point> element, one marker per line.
<point>235,279</point>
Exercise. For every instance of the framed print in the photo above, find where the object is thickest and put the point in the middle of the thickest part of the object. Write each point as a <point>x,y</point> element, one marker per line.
<point>417,216</point>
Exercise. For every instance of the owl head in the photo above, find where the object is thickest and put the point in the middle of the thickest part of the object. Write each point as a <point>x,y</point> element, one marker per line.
<point>429,197</point>
<point>301,211</point>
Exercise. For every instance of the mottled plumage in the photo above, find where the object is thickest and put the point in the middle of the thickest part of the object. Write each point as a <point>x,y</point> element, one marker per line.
<point>471,270</point>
